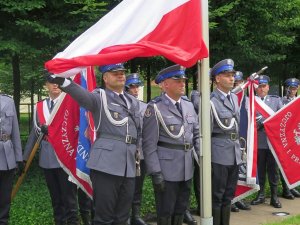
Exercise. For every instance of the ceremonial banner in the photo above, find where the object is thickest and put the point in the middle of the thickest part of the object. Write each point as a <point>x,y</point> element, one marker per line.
<point>171,28</point>
<point>68,134</point>
<point>283,131</point>
<point>86,128</point>
<point>247,182</point>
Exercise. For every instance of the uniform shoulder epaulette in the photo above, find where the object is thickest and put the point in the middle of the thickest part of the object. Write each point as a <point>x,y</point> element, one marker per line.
<point>156,99</point>
<point>212,95</point>
<point>184,97</point>
<point>195,93</point>
<point>97,89</point>
<point>5,95</point>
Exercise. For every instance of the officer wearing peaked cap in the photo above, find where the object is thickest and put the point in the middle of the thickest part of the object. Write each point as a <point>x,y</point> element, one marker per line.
<point>10,153</point>
<point>62,191</point>
<point>170,143</point>
<point>291,88</point>
<point>225,146</point>
<point>238,78</point>
<point>266,161</point>
<point>132,86</point>
<point>112,160</point>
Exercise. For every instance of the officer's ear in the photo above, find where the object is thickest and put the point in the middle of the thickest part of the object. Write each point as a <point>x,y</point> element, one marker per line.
<point>104,77</point>
<point>165,83</point>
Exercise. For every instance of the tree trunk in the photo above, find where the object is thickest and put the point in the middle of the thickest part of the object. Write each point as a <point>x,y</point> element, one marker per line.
<point>15,61</point>
<point>195,80</point>
<point>187,87</point>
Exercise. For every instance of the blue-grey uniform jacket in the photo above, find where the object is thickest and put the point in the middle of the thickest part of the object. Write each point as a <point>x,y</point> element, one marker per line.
<point>275,103</point>
<point>175,164</point>
<point>10,143</point>
<point>111,155</point>
<point>47,157</point>
<point>286,100</point>
<point>225,146</point>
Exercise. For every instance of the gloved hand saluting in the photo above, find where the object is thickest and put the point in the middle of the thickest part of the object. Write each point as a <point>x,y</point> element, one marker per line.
<point>51,78</point>
<point>158,182</point>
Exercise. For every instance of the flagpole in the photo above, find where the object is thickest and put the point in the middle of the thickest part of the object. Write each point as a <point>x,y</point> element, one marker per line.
<point>204,117</point>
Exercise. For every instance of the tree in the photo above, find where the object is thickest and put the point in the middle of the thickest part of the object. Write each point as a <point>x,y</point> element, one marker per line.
<point>255,33</point>
<point>32,31</point>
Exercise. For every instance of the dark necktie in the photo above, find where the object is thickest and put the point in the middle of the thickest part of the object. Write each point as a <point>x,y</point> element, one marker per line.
<point>178,106</point>
<point>123,99</point>
<point>51,105</point>
<point>262,99</point>
<point>229,98</point>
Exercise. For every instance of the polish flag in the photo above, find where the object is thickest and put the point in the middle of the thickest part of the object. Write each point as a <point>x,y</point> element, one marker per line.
<point>170,28</point>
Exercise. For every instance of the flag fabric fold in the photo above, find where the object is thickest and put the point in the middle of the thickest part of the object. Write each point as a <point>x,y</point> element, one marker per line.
<point>170,28</point>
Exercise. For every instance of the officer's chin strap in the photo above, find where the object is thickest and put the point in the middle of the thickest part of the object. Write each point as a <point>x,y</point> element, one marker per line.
<point>232,122</point>
<point>164,125</point>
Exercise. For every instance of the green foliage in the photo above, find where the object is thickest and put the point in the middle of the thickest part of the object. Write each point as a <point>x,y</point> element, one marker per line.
<point>255,33</point>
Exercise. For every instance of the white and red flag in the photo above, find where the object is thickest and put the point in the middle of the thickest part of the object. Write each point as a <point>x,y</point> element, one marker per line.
<point>170,28</point>
<point>247,182</point>
<point>283,131</point>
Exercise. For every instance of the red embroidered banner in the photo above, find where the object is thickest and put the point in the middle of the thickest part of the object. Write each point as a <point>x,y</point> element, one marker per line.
<point>283,131</point>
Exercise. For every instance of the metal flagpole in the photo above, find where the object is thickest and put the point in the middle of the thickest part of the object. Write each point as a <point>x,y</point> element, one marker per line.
<point>204,118</point>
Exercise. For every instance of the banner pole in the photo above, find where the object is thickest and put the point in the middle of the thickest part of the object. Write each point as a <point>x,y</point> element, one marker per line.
<point>204,117</point>
<point>27,165</point>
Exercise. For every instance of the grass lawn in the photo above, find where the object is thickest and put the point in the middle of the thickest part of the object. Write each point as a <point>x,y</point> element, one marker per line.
<point>32,204</point>
<point>295,220</point>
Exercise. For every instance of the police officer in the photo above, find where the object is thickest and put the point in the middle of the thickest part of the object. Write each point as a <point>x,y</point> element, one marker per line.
<point>132,86</point>
<point>225,146</point>
<point>10,153</point>
<point>112,158</point>
<point>63,193</point>
<point>266,161</point>
<point>170,143</point>
<point>238,80</point>
<point>291,86</point>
